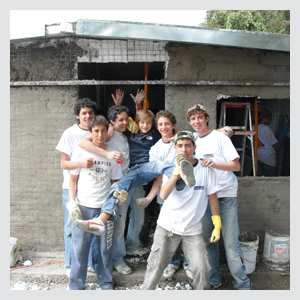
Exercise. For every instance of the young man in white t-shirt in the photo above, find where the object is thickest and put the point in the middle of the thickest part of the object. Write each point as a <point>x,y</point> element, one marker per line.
<point>179,220</point>
<point>217,151</point>
<point>92,186</point>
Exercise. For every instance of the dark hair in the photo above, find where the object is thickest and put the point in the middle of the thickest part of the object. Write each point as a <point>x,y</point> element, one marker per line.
<point>165,114</point>
<point>115,110</point>
<point>96,121</point>
<point>84,102</point>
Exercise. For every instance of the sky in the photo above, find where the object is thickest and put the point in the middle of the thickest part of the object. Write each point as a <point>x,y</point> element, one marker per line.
<point>31,23</point>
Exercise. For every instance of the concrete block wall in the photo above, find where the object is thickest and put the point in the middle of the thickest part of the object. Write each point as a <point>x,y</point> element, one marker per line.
<point>38,117</point>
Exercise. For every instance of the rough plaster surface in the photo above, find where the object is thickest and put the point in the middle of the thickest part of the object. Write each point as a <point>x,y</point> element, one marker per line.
<point>38,118</point>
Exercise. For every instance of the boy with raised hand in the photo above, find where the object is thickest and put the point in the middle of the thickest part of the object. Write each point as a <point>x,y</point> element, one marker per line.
<point>93,186</point>
<point>179,220</point>
<point>217,151</point>
<point>84,110</point>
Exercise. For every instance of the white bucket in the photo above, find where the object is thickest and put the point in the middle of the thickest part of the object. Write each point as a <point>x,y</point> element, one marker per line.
<point>14,251</point>
<point>277,251</point>
<point>249,243</point>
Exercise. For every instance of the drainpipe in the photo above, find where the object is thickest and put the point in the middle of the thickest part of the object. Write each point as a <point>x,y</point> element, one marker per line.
<point>256,130</point>
<point>145,102</point>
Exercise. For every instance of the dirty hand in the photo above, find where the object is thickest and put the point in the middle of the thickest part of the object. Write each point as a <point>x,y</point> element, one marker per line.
<point>142,202</point>
<point>115,155</point>
<point>215,236</point>
<point>179,158</point>
<point>226,130</point>
<point>208,162</point>
<point>86,163</point>
<point>119,97</point>
<point>139,97</point>
<point>285,129</point>
<point>121,197</point>
<point>74,211</point>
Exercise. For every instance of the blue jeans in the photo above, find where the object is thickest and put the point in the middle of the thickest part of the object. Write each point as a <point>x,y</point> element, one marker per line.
<point>68,232</point>
<point>230,233</point>
<point>176,260</point>
<point>135,225</point>
<point>80,250</point>
<point>137,175</point>
<point>265,170</point>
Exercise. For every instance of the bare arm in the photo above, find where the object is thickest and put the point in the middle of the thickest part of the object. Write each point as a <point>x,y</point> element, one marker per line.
<point>233,165</point>
<point>72,186</point>
<point>66,164</point>
<point>168,187</point>
<point>214,204</point>
<point>140,95</point>
<point>155,188</point>
<point>87,145</point>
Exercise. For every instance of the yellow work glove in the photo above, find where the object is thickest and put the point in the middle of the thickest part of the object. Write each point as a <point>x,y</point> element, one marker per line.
<point>179,157</point>
<point>215,236</point>
<point>132,126</point>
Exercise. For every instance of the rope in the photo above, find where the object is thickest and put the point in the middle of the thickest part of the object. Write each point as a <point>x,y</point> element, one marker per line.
<point>57,261</point>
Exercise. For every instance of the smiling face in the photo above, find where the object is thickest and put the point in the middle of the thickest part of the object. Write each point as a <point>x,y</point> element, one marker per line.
<point>145,125</point>
<point>199,122</point>
<point>165,128</point>
<point>85,114</point>
<point>99,134</point>
<point>121,122</point>
<point>186,147</point>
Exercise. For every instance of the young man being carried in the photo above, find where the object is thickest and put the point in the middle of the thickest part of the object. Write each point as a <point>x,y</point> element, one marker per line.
<point>217,151</point>
<point>179,220</point>
<point>93,185</point>
<point>84,110</point>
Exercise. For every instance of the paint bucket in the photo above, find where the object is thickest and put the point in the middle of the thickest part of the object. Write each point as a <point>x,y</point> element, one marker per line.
<point>276,254</point>
<point>249,243</point>
<point>14,251</point>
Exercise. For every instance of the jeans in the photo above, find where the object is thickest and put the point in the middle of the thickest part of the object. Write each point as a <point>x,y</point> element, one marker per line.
<point>176,260</point>
<point>137,175</point>
<point>265,170</point>
<point>80,251</point>
<point>230,233</point>
<point>164,246</point>
<point>68,233</point>
<point>135,225</point>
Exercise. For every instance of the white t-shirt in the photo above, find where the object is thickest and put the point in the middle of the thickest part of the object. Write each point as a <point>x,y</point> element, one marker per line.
<point>217,146</point>
<point>183,210</point>
<point>266,154</point>
<point>120,143</point>
<point>94,183</point>
<point>164,152</point>
<point>69,139</point>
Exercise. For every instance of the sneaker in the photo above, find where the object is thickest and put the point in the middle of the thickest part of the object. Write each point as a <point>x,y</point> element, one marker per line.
<point>187,173</point>
<point>123,269</point>
<point>213,287</point>
<point>95,226</point>
<point>170,271</point>
<point>91,269</point>
<point>68,272</point>
<point>188,271</point>
<point>139,251</point>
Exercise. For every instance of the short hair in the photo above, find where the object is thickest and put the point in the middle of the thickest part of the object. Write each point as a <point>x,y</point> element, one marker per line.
<point>165,114</point>
<point>115,110</point>
<point>195,109</point>
<point>97,120</point>
<point>264,112</point>
<point>84,102</point>
<point>144,114</point>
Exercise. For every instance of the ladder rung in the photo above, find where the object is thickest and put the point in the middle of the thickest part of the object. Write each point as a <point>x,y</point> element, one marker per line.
<point>244,132</point>
<point>240,149</point>
<point>237,127</point>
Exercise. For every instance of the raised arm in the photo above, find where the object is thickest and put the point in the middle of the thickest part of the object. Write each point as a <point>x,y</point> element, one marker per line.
<point>87,145</point>
<point>118,99</point>
<point>140,95</point>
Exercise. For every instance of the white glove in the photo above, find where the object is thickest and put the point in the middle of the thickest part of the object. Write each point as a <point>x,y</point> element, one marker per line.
<point>121,197</point>
<point>74,211</point>
<point>142,202</point>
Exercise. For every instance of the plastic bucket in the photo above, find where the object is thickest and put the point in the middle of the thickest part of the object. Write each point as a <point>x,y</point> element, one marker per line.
<point>249,243</point>
<point>277,251</point>
<point>14,251</point>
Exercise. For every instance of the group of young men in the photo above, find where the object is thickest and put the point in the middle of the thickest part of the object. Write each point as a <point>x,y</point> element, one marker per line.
<point>105,166</point>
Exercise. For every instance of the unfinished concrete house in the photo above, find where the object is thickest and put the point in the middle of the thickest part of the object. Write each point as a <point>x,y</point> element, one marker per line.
<point>178,66</point>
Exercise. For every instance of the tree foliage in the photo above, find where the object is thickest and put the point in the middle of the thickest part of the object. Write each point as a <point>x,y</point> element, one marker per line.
<point>252,20</point>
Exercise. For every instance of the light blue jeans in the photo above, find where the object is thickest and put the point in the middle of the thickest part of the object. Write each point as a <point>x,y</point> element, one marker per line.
<point>135,225</point>
<point>230,233</point>
<point>137,175</point>
<point>81,243</point>
<point>68,233</point>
